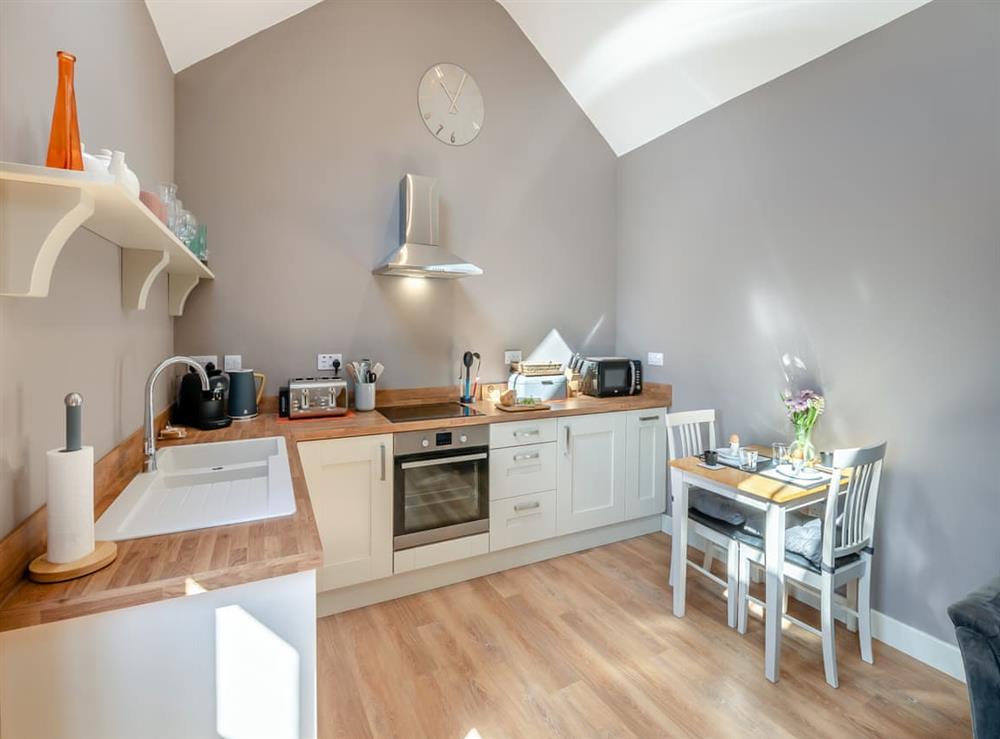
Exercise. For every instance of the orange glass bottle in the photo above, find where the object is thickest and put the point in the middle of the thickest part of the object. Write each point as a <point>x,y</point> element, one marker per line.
<point>64,140</point>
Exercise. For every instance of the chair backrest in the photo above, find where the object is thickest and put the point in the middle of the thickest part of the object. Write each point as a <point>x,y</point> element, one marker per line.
<point>687,427</point>
<point>857,524</point>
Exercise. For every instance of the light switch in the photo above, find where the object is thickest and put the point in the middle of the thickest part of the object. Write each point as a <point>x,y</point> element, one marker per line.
<point>233,362</point>
<point>655,359</point>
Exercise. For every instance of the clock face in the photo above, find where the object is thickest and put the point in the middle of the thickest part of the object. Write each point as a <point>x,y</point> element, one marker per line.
<point>451,104</point>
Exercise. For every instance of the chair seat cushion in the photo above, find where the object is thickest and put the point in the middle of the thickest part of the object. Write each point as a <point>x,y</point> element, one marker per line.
<point>803,544</point>
<point>717,507</point>
<point>752,525</point>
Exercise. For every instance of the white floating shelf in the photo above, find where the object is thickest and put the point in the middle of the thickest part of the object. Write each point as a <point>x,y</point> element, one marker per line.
<point>41,207</point>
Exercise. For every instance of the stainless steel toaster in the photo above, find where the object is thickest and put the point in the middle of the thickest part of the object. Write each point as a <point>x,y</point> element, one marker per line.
<point>311,397</point>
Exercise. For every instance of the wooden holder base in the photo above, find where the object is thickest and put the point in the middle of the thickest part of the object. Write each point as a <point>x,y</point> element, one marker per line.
<point>523,408</point>
<point>41,570</point>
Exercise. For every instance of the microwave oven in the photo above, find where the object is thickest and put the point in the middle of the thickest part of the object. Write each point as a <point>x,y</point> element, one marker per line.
<point>606,377</point>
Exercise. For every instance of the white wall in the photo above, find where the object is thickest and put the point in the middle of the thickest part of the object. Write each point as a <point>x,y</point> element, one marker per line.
<point>845,216</point>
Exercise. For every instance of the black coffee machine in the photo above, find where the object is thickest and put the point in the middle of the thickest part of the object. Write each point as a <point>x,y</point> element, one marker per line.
<point>200,409</point>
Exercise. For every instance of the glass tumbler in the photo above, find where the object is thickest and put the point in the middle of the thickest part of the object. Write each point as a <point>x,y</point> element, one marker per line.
<point>748,459</point>
<point>779,453</point>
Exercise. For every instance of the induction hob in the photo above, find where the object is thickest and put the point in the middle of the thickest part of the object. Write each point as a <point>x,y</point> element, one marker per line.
<point>426,412</point>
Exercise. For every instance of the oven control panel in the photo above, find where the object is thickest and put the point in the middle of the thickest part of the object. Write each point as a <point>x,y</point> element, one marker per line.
<point>414,442</point>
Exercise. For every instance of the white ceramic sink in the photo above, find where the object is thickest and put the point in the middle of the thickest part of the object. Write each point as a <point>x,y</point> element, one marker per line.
<point>202,485</point>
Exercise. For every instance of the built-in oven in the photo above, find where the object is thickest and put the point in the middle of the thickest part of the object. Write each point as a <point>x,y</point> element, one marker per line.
<point>442,485</point>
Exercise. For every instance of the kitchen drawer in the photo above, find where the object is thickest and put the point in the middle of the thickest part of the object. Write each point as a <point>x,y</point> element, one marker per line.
<point>522,432</point>
<point>441,552</point>
<point>518,470</point>
<point>521,520</point>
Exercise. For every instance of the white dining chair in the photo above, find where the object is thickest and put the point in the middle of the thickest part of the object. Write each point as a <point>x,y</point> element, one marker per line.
<point>848,530</point>
<point>686,432</point>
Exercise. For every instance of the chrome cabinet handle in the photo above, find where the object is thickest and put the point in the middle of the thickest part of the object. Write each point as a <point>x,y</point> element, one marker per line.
<point>529,432</point>
<point>382,451</point>
<point>443,461</point>
<point>527,506</point>
<point>533,455</point>
<point>567,440</point>
<point>649,418</point>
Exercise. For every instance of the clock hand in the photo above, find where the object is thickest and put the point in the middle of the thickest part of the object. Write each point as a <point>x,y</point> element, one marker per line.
<point>448,93</point>
<point>454,100</point>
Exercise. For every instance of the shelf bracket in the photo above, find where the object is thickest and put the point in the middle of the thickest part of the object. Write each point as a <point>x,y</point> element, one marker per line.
<point>180,286</point>
<point>36,220</point>
<point>140,268</point>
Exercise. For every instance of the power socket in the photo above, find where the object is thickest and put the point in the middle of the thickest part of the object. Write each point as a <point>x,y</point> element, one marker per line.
<point>205,359</point>
<point>233,362</point>
<point>655,359</point>
<point>511,357</point>
<point>325,361</point>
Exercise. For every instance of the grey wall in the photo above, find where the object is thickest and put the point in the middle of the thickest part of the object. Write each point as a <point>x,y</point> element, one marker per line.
<point>845,214</point>
<point>291,145</point>
<point>79,338</point>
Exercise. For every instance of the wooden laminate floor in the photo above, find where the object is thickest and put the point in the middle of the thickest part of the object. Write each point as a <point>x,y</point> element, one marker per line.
<point>586,645</point>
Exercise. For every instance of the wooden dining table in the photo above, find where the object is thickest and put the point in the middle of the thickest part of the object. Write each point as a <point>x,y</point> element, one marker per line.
<point>775,498</point>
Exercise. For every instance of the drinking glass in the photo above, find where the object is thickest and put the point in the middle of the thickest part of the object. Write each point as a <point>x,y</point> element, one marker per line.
<point>174,216</point>
<point>168,194</point>
<point>779,453</point>
<point>748,459</point>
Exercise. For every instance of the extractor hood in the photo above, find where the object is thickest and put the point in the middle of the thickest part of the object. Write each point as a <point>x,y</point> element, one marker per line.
<point>420,253</point>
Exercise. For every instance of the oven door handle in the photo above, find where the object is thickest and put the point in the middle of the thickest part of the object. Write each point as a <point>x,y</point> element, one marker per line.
<point>443,460</point>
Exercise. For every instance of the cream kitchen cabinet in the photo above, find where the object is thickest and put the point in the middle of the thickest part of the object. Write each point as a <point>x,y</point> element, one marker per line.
<point>350,486</point>
<point>591,474</point>
<point>645,463</point>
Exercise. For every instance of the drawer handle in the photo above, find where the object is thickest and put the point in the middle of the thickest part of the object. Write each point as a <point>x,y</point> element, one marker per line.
<point>533,455</point>
<point>528,432</point>
<point>527,506</point>
<point>649,418</point>
<point>382,449</point>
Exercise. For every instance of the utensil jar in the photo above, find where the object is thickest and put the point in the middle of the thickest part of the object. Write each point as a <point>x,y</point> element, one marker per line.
<point>364,396</point>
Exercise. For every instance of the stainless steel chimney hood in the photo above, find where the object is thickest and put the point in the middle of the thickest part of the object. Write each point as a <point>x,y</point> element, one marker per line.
<point>420,253</point>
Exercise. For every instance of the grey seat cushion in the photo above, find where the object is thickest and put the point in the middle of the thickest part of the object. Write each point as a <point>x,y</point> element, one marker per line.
<point>717,507</point>
<point>803,543</point>
<point>803,535</point>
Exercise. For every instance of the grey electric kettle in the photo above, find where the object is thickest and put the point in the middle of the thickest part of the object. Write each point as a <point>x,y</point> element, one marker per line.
<point>244,397</point>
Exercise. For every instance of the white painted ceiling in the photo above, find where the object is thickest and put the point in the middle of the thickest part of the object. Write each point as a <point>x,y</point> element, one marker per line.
<point>637,68</point>
<point>640,68</point>
<point>191,30</point>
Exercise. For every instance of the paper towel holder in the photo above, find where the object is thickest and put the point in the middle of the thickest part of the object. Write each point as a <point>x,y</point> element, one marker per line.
<point>104,552</point>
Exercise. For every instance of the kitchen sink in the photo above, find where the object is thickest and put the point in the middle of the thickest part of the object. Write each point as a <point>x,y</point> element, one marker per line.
<point>198,486</point>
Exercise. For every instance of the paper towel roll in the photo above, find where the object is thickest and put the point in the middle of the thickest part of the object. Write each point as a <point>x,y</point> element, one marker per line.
<point>70,503</point>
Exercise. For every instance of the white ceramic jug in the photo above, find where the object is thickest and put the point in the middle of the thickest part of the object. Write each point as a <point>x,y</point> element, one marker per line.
<point>122,174</point>
<point>95,163</point>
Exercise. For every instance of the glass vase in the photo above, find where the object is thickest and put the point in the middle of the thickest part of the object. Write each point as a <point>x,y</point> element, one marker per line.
<point>64,138</point>
<point>802,453</point>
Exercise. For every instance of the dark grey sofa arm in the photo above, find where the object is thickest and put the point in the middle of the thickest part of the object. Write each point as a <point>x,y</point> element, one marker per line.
<point>977,626</point>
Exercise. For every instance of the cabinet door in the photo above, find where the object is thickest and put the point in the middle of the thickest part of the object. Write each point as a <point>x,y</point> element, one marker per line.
<point>591,481</point>
<point>645,463</point>
<point>350,486</point>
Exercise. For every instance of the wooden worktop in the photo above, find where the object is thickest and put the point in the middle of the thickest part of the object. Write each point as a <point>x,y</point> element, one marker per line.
<point>157,568</point>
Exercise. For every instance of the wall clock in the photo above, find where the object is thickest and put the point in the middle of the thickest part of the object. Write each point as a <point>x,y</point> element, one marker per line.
<point>451,104</point>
